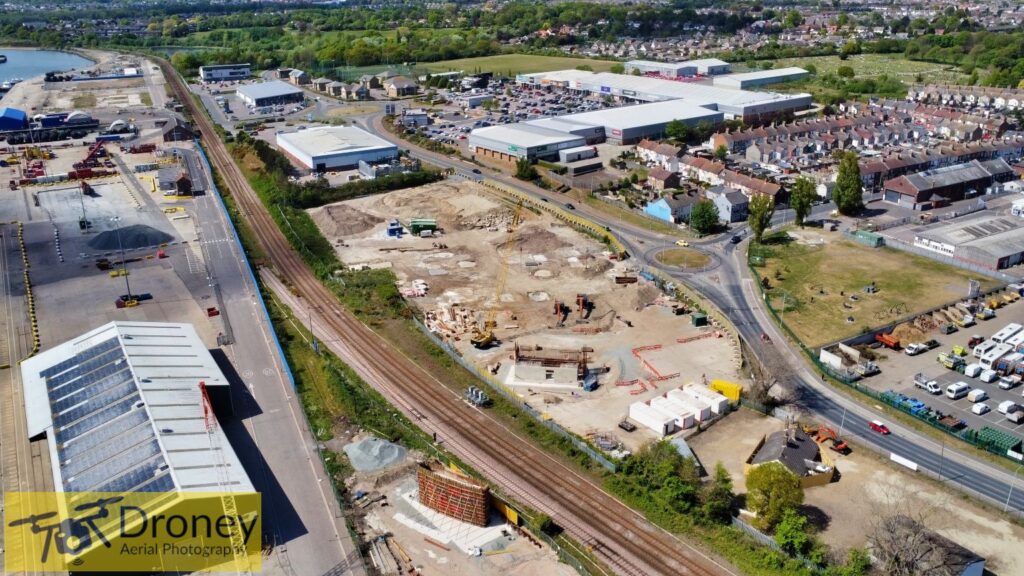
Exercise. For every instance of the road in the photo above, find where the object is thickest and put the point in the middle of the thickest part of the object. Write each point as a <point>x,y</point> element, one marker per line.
<point>618,535</point>
<point>275,443</point>
<point>727,283</point>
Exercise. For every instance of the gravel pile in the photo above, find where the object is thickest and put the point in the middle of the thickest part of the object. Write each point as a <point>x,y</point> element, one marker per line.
<point>134,236</point>
<point>371,454</point>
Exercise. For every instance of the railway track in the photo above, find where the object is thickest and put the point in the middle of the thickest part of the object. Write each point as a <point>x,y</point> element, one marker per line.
<point>617,534</point>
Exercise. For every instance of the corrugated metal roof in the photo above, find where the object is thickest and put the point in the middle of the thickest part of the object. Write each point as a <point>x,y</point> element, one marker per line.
<point>333,140</point>
<point>762,74</point>
<point>267,89</point>
<point>524,135</point>
<point>122,411</point>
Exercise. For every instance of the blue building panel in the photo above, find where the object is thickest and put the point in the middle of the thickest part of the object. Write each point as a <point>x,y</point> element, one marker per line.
<point>660,210</point>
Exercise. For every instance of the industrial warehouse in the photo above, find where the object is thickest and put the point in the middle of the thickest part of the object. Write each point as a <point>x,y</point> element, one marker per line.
<point>543,138</point>
<point>687,68</point>
<point>122,413</point>
<point>222,72</point>
<point>333,147</point>
<point>761,78</point>
<point>751,107</point>
<point>269,93</point>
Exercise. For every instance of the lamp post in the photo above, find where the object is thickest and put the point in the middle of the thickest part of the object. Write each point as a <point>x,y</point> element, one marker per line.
<point>124,267</point>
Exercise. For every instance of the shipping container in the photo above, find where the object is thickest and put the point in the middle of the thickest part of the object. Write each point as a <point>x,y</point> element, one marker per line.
<point>701,409</point>
<point>719,403</point>
<point>644,415</point>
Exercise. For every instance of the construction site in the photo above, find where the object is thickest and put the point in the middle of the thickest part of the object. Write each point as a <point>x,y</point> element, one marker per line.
<point>546,313</point>
<point>416,514</point>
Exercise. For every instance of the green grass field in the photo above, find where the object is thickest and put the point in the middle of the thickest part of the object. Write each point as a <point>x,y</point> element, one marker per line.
<point>815,286</point>
<point>514,64</point>
<point>869,65</point>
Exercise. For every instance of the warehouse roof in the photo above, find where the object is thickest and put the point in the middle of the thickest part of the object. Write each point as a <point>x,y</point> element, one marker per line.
<point>269,89</point>
<point>645,87</point>
<point>761,74</point>
<point>333,140</point>
<point>707,62</point>
<point>224,66</point>
<point>122,411</point>
<point>918,182</point>
<point>524,135</point>
<point>994,237</point>
<point>626,117</point>
<point>654,63</point>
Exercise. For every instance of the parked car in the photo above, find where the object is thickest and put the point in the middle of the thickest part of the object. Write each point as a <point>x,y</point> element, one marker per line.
<point>570,206</point>
<point>877,426</point>
<point>683,243</point>
<point>735,239</point>
<point>980,408</point>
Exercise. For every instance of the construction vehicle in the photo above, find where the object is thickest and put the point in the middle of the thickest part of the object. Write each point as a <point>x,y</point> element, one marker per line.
<point>985,314</point>
<point>1011,297</point>
<point>965,321</point>
<point>483,336</point>
<point>95,151</point>
<point>995,303</point>
<point>823,434</point>
<point>948,328</point>
<point>888,341</point>
<point>951,361</point>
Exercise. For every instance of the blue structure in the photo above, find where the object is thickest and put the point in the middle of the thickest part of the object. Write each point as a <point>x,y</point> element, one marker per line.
<point>671,209</point>
<point>12,119</point>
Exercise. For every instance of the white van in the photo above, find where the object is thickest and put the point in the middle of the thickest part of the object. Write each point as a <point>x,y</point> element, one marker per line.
<point>988,376</point>
<point>972,370</point>
<point>977,395</point>
<point>957,391</point>
<point>1005,406</point>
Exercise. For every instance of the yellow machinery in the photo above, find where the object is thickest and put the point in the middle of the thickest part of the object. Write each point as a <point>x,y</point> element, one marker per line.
<point>483,336</point>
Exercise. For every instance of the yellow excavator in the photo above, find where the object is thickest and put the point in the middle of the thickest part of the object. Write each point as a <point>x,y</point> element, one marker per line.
<point>483,336</point>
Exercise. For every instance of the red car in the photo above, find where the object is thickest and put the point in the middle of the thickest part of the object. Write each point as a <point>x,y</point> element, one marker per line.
<point>878,427</point>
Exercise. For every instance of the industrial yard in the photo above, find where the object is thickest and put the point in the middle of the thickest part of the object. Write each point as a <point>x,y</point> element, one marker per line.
<point>579,335</point>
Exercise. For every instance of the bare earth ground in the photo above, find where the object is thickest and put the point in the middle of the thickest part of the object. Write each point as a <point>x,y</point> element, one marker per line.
<point>820,277</point>
<point>547,262</point>
<point>868,488</point>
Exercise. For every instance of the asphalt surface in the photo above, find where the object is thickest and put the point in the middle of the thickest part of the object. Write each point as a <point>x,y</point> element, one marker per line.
<point>728,285</point>
<point>270,434</point>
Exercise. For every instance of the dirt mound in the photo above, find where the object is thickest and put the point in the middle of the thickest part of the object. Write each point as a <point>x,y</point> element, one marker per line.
<point>908,333</point>
<point>130,237</point>
<point>343,220</point>
<point>498,218</point>
<point>534,241</point>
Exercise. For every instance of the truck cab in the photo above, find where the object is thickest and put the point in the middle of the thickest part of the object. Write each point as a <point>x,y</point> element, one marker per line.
<point>931,386</point>
<point>915,349</point>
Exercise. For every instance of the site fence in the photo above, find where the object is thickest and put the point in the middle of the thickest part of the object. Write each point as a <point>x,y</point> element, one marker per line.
<point>958,262</point>
<point>965,434</point>
<point>512,397</point>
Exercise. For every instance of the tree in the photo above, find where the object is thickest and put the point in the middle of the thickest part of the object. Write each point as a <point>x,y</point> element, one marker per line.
<point>759,214</point>
<point>525,170</point>
<point>772,490</point>
<point>617,69</point>
<point>811,69</point>
<point>850,48</point>
<point>792,19</point>
<point>791,533</point>
<point>716,497</point>
<point>849,190</point>
<point>845,72</point>
<point>800,198</point>
<point>677,130</point>
<point>704,216</point>
<point>721,153</point>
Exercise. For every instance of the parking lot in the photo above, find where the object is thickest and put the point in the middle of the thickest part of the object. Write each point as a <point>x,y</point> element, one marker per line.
<point>452,123</point>
<point>899,369</point>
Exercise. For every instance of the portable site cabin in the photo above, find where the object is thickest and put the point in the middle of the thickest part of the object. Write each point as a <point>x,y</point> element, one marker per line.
<point>1009,331</point>
<point>643,414</point>
<point>719,402</point>
<point>682,415</point>
<point>1017,341</point>
<point>701,409</point>
<point>990,358</point>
